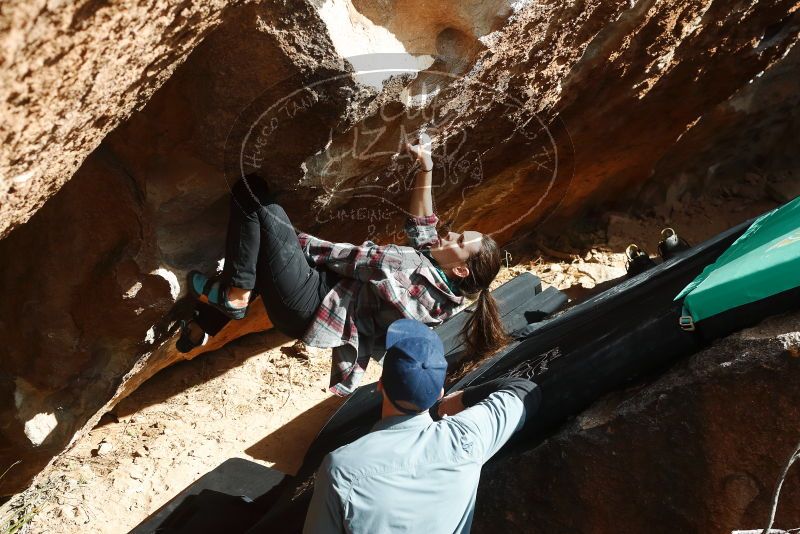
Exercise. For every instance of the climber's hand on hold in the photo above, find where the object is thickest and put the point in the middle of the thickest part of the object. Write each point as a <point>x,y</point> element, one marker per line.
<point>421,151</point>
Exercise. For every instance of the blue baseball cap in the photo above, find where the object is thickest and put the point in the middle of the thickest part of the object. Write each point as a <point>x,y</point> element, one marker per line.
<point>414,367</point>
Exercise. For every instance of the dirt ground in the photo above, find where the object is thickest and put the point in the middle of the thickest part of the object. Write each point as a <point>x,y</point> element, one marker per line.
<point>252,399</point>
<point>257,400</point>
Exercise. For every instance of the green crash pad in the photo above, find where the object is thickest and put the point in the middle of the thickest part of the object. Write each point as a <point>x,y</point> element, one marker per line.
<point>763,262</point>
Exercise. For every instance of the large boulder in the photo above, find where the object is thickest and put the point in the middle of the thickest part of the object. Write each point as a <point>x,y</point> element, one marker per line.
<point>699,450</point>
<point>96,273</point>
<point>71,72</point>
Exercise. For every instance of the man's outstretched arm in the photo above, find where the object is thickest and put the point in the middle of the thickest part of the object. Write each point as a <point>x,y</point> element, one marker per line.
<point>493,411</point>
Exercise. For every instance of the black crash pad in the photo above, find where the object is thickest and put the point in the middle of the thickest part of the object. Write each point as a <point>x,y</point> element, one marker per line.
<point>620,335</point>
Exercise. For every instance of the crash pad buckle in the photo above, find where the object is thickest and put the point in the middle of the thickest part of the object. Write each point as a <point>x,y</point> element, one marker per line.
<point>687,323</point>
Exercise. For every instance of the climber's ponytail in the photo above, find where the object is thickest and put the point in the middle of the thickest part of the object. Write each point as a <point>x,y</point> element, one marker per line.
<point>483,332</point>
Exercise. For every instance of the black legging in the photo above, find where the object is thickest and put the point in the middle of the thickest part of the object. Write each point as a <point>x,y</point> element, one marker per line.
<point>262,253</point>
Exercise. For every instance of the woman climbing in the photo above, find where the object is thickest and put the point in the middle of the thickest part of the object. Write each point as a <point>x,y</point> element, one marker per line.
<point>343,296</point>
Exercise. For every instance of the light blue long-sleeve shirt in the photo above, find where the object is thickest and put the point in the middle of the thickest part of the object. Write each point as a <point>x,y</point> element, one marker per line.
<point>411,474</point>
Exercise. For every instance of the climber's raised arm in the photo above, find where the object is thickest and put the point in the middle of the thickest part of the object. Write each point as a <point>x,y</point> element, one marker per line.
<point>421,198</point>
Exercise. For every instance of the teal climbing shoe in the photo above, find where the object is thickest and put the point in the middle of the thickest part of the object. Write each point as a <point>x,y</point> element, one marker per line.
<point>216,293</point>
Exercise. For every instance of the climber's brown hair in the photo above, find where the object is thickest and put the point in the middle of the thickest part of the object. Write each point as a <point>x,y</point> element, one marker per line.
<point>483,332</point>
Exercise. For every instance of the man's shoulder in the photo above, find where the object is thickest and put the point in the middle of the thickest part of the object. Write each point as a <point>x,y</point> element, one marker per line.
<point>355,455</point>
<point>338,458</point>
<point>349,462</point>
<point>369,453</point>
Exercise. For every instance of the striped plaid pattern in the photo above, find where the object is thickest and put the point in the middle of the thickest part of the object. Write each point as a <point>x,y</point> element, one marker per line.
<point>381,283</point>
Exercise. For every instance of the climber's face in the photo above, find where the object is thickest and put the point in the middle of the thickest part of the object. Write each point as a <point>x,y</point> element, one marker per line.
<point>455,249</point>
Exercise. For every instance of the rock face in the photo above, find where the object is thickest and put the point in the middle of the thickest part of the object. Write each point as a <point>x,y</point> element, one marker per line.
<point>70,73</point>
<point>700,450</point>
<point>620,80</point>
<point>104,262</point>
<point>134,121</point>
<point>762,116</point>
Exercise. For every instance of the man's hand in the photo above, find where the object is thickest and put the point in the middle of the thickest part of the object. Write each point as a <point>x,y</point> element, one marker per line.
<point>422,151</point>
<point>451,404</point>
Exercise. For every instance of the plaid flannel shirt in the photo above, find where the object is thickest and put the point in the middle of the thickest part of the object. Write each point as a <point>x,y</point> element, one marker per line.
<point>381,283</point>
